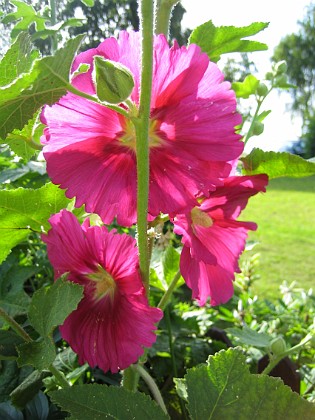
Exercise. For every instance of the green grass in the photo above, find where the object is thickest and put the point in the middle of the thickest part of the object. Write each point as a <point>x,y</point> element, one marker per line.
<point>286,234</point>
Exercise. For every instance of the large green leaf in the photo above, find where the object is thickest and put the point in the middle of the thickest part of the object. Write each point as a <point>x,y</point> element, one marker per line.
<point>101,402</point>
<point>51,306</point>
<point>276,164</point>
<point>225,389</point>
<point>17,60</point>
<point>25,210</point>
<point>226,39</point>
<point>39,354</point>
<point>27,390</point>
<point>45,84</point>
<point>8,342</point>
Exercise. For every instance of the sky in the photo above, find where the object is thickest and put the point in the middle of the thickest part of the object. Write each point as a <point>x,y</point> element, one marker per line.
<point>282,15</point>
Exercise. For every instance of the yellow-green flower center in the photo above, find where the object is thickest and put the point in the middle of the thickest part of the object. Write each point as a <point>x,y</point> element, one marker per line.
<point>128,138</point>
<point>104,284</point>
<point>200,218</point>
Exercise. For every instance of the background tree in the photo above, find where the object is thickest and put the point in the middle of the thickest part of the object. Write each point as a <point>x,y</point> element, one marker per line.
<point>298,51</point>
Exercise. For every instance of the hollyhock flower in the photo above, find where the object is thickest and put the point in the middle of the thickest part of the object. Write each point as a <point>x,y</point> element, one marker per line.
<point>90,149</point>
<point>213,239</point>
<point>113,321</point>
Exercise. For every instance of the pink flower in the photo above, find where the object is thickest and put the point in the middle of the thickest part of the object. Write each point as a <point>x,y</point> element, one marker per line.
<point>113,321</point>
<point>90,149</point>
<point>213,239</point>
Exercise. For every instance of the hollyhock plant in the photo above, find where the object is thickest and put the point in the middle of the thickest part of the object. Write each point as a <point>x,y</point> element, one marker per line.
<point>113,321</point>
<point>213,239</point>
<point>90,148</point>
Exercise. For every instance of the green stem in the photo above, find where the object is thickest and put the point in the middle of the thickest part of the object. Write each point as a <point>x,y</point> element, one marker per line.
<point>15,326</point>
<point>152,385</point>
<point>60,378</point>
<point>130,379</point>
<point>29,141</point>
<point>163,15</point>
<point>77,92</point>
<point>142,137</point>
<point>276,359</point>
<point>169,291</point>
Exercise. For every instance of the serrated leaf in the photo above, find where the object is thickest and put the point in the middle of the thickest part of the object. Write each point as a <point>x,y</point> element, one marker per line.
<point>25,15</point>
<point>39,354</point>
<point>27,390</point>
<point>100,402</point>
<point>246,88</point>
<point>17,60</point>
<point>248,336</point>
<point>225,389</point>
<point>51,306</point>
<point>20,140</point>
<point>276,164</point>
<point>8,342</point>
<point>227,39</point>
<point>13,298</point>
<point>25,210</point>
<point>45,84</point>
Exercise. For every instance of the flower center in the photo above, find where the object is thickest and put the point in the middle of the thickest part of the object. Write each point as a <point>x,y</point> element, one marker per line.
<point>200,218</point>
<point>104,284</point>
<point>128,138</point>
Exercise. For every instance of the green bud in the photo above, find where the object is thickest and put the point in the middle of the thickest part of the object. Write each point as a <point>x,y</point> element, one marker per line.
<point>258,128</point>
<point>269,75</point>
<point>281,80</point>
<point>278,346</point>
<point>113,81</point>
<point>262,90</point>
<point>281,67</point>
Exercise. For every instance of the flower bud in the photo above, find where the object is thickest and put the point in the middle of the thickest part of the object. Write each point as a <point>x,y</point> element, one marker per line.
<point>258,128</point>
<point>281,67</point>
<point>281,80</point>
<point>262,90</point>
<point>113,81</point>
<point>278,346</point>
<point>269,75</point>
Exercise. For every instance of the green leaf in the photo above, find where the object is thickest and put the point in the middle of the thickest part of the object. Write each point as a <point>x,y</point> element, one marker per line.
<point>276,164</point>
<point>8,342</point>
<point>263,115</point>
<point>20,140</point>
<point>248,336</point>
<point>39,354</point>
<point>246,88</point>
<point>17,60</point>
<point>51,306</point>
<point>45,84</point>
<point>170,262</point>
<point>25,210</point>
<point>225,389</point>
<point>13,298</point>
<point>226,39</point>
<point>26,15</point>
<point>27,390</point>
<point>88,3</point>
<point>101,402</point>
<point>10,377</point>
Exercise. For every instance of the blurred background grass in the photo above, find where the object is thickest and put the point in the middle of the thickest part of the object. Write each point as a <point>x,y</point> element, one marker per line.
<point>286,234</point>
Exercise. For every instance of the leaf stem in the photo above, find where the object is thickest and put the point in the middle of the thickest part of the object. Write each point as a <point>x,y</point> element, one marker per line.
<point>169,291</point>
<point>163,15</point>
<point>53,21</point>
<point>60,378</point>
<point>152,385</point>
<point>15,326</point>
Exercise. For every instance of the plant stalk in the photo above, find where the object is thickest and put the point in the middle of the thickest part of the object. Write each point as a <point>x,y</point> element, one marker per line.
<point>169,291</point>
<point>163,15</point>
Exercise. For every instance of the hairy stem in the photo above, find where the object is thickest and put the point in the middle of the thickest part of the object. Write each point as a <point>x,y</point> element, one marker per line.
<point>163,15</point>
<point>15,326</point>
<point>152,385</point>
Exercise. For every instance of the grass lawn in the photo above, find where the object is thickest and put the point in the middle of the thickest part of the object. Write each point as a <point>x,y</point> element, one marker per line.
<point>286,234</point>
